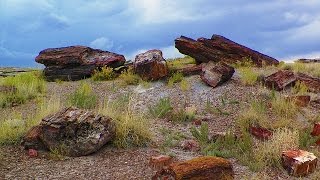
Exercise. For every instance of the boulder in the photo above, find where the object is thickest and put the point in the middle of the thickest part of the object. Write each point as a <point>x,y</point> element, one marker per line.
<point>312,83</point>
<point>216,74</point>
<point>219,48</point>
<point>260,132</point>
<point>298,162</point>
<point>280,80</point>
<point>76,62</point>
<point>205,168</point>
<point>78,132</point>
<point>151,65</point>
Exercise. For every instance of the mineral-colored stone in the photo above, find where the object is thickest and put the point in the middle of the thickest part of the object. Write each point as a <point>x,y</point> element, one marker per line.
<point>158,162</point>
<point>216,74</point>
<point>280,80</point>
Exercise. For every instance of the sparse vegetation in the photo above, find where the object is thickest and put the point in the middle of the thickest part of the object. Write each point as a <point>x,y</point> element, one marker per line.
<point>83,97</point>
<point>132,129</point>
<point>174,64</point>
<point>300,88</point>
<point>161,109</point>
<point>26,86</point>
<point>175,78</point>
<point>248,75</point>
<point>184,85</point>
<point>181,115</point>
<point>105,74</point>
<point>308,68</point>
<point>129,77</point>
<point>170,139</point>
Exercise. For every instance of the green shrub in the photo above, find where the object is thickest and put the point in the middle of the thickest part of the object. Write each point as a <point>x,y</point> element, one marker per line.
<point>175,78</point>
<point>129,77</point>
<point>201,134</point>
<point>28,86</point>
<point>161,109</point>
<point>248,76</point>
<point>83,97</point>
<point>300,88</point>
<point>105,74</point>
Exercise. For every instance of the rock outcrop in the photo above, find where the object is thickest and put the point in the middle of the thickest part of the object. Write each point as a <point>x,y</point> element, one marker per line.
<point>219,48</point>
<point>151,65</point>
<point>216,74</point>
<point>280,80</point>
<point>206,168</point>
<point>312,83</point>
<point>78,132</point>
<point>76,62</point>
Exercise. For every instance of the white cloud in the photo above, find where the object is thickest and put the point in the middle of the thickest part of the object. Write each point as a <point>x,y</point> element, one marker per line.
<point>102,43</point>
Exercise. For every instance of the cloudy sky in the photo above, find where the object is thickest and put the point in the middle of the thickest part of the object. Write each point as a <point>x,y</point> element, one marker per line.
<point>284,29</point>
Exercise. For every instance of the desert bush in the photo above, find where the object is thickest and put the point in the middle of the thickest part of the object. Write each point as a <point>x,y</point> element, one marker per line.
<point>132,129</point>
<point>14,127</point>
<point>175,78</point>
<point>129,77</point>
<point>83,97</point>
<point>306,139</point>
<point>248,76</point>
<point>28,86</point>
<point>105,74</point>
<point>268,153</point>
<point>245,62</point>
<point>161,108</point>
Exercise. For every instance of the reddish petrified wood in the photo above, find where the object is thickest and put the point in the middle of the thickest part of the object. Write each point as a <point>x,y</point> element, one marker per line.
<point>316,129</point>
<point>191,70</point>
<point>219,48</point>
<point>260,133</point>
<point>151,65</point>
<point>158,162</point>
<point>216,74</point>
<point>298,162</point>
<point>190,145</point>
<point>280,80</point>
<point>32,139</point>
<point>204,168</point>
<point>300,100</point>
<point>312,83</point>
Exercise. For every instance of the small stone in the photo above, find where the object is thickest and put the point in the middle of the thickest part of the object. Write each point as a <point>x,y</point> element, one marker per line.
<point>158,162</point>
<point>190,145</point>
<point>197,122</point>
<point>298,162</point>
<point>316,129</point>
<point>260,132</point>
<point>32,153</point>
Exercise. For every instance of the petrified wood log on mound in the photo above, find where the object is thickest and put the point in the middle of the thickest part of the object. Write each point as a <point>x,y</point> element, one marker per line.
<point>77,132</point>
<point>219,48</point>
<point>204,168</point>
<point>216,74</point>
<point>76,62</point>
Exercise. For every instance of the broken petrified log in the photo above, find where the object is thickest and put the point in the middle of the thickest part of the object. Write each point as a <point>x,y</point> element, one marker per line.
<point>216,74</point>
<point>151,65</point>
<point>219,48</point>
<point>190,70</point>
<point>205,168</point>
<point>76,62</point>
<point>312,83</point>
<point>280,80</point>
<point>260,132</point>
<point>298,162</point>
<point>78,132</point>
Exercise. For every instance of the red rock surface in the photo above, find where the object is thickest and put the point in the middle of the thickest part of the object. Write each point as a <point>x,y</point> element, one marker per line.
<point>219,48</point>
<point>260,133</point>
<point>216,74</point>
<point>151,65</point>
<point>298,162</point>
<point>32,153</point>
<point>301,100</point>
<point>158,162</point>
<point>312,83</point>
<point>280,80</point>
<point>190,145</point>
<point>316,129</point>
<point>191,70</point>
<point>204,168</point>
<point>32,139</point>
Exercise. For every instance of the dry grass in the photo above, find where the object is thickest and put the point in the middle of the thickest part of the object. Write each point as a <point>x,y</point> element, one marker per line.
<point>178,63</point>
<point>175,78</point>
<point>248,75</point>
<point>129,77</point>
<point>105,74</point>
<point>83,97</point>
<point>132,129</point>
<point>308,68</point>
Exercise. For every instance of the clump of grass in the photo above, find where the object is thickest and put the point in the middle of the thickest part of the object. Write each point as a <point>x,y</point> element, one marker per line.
<point>269,152</point>
<point>83,97</point>
<point>201,134</point>
<point>161,109</point>
<point>59,153</point>
<point>283,107</point>
<point>28,86</point>
<point>129,77</point>
<point>132,129</point>
<point>171,139</point>
<point>177,63</point>
<point>181,115</point>
<point>13,128</point>
<point>175,78</point>
<point>306,139</point>
<point>245,62</point>
<point>184,85</point>
<point>248,76</point>
<point>105,74</point>
<point>300,88</point>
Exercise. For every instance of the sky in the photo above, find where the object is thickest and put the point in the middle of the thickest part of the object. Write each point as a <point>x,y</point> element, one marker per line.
<point>284,29</point>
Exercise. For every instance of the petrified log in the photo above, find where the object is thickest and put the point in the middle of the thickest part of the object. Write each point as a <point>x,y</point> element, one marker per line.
<point>312,83</point>
<point>260,132</point>
<point>309,60</point>
<point>216,74</point>
<point>151,65</point>
<point>77,132</point>
<point>280,80</point>
<point>219,48</point>
<point>204,168</point>
<point>76,62</point>
<point>190,70</point>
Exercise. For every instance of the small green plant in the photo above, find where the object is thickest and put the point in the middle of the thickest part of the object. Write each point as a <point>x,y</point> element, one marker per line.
<point>306,139</point>
<point>129,77</point>
<point>245,62</point>
<point>181,115</point>
<point>300,88</point>
<point>83,97</point>
<point>201,134</point>
<point>105,74</point>
<point>58,153</point>
<point>161,109</point>
<point>171,139</point>
<point>248,76</point>
<point>175,78</point>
